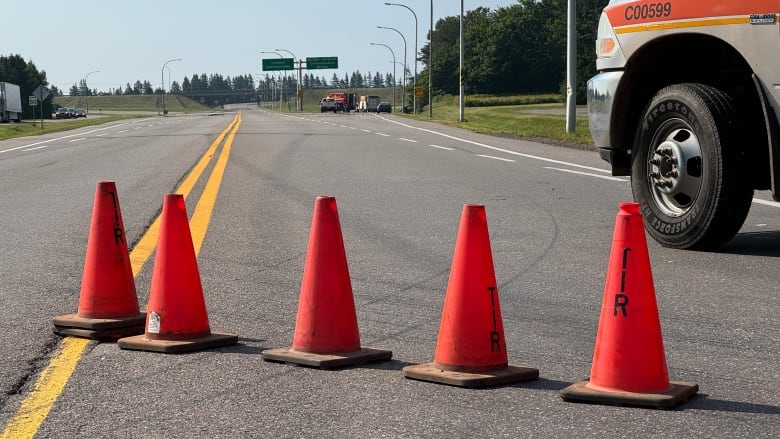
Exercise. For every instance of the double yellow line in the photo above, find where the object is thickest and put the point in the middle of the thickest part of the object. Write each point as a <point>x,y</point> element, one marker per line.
<point>54,377</point>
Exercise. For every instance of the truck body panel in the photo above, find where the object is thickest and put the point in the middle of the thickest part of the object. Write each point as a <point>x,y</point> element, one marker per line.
<point>10,102</point>
<point>372,102</point>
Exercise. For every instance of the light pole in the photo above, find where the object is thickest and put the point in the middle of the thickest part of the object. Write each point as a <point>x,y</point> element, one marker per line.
<point>299,107</point>
<point>414,95</point>
<point>405,65</point>
<point>430,67</point>
<point>162,82</point>
<point>462,92</point>
<point>281,85</point>
<point>86,90</point>
<point>393,53</point>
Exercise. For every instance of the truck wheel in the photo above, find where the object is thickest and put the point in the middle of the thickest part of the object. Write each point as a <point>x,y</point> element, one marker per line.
<point>689,173</point>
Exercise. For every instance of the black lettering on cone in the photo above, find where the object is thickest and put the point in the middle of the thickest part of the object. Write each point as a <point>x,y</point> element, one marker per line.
<point>119,238</point>
<point>118,235</point>
<point>495,346</point>
<point>621,299</point>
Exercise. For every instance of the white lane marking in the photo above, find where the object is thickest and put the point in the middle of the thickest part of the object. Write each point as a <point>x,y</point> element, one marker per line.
<point>766,203</point>
<point>123,131</point>
<point>442,147</point>
<point>588,173</point>
<point>495,148</point>
<point>76,140</point>
<point>407,140</point>
<point>37,147</point>
<point>383,134</point>
<point>59,138</point>
<point>365,131</point>
<point>496,158</point>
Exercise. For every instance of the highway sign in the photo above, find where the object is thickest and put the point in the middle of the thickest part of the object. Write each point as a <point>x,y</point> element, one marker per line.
<point>277,64</point>
<point>41,93</point>
<point>322,62</point>
<point>419,91</point>
<point>33,101</point>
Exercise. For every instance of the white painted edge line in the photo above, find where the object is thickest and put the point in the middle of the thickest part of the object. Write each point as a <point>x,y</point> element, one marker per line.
<point>495,148</point>
<point>442,147</point>
<point>766,203</point>
<point>605,177</point>
<point>60,138</point>
<point>496,158</point>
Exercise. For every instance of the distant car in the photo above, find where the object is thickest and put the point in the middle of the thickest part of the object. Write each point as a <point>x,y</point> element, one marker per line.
<point>62,113</point>
<point>384,107</point>
<point>81,113</point>
<point>327,105</point>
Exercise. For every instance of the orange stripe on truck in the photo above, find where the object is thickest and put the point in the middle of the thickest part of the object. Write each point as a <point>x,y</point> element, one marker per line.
<point>643,12</point>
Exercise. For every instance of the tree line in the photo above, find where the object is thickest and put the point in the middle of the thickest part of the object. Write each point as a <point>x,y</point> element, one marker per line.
<point>517,49</point>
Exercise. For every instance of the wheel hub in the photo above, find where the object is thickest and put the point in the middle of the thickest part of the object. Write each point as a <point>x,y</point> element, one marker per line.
<point>674,170</point>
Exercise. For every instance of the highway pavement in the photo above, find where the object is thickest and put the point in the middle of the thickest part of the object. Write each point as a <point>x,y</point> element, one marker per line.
<point>400,186</point>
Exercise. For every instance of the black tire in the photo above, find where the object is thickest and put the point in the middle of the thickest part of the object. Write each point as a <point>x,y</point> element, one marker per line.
<point>689,174</point>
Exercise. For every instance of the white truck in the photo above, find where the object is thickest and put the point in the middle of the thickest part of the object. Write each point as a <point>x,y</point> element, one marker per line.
<point>10,103</point>
<point>686,101</point>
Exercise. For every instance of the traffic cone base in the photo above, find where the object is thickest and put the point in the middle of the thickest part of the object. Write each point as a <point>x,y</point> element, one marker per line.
<point>680,391</point>
<point>99,329</point>
<point>143,343</point>
<point>326,361</point>
<point>434,373</point>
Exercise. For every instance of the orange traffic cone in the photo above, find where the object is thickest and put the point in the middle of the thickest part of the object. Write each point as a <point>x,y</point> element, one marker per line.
<point>326,329</point>
<point>471,349</point>
<point>176,318</point>
<point>108,304</point>
<point>629,365</point>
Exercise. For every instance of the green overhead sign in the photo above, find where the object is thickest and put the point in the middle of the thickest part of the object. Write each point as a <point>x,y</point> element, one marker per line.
<point>277,64</point>
<point>322,62</point>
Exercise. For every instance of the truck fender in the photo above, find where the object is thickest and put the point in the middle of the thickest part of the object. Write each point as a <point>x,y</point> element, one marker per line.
<point>773,142</point>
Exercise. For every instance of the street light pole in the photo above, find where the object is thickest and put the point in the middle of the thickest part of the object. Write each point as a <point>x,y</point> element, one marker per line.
<point>281,85</point>
<point>462,92</point>
<point>299,107</point>
<point>414,95</point>
<point>430,67</point>
<point>393,53</point>
<point>404,63</point>
<point>162,82</point>
<point>86,90</point>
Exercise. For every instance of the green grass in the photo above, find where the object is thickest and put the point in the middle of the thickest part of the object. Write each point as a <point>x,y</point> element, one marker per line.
<point>173,103</point>
<point>12,130</point>
<point>516,121</point>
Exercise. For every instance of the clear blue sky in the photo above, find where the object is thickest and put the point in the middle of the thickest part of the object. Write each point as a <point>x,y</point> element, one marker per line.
<point>132,40</point>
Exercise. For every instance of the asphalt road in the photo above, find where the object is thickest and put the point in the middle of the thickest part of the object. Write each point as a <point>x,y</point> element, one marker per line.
<point>400,187</point>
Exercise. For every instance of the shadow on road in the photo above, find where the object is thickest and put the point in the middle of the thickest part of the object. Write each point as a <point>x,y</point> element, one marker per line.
<point>754,243</point>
